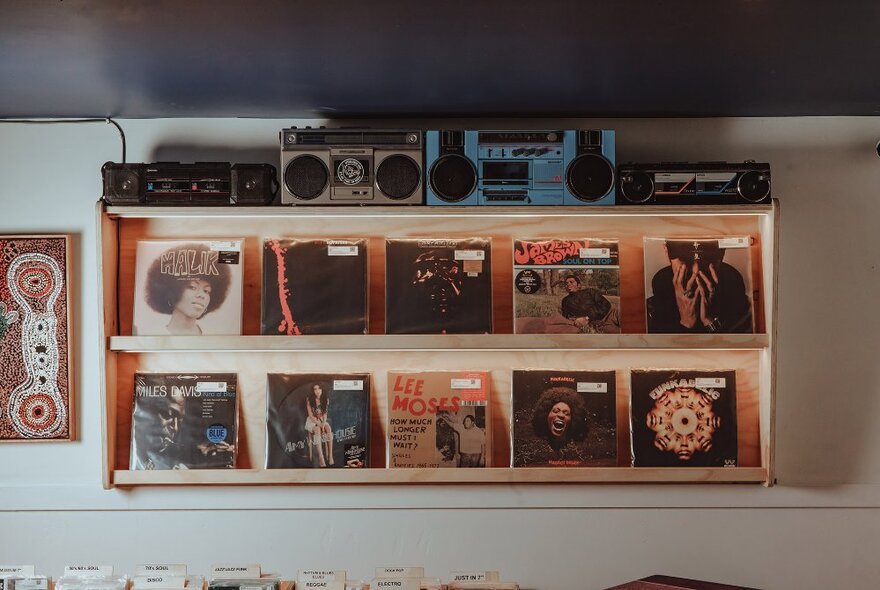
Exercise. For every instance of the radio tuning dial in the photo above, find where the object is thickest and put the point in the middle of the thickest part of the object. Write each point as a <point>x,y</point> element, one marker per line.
<point>291,138</point>
<point>412,138</point>
<point>552,137</point>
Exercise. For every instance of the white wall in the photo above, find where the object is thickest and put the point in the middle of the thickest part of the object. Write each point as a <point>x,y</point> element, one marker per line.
<point>817,529</point>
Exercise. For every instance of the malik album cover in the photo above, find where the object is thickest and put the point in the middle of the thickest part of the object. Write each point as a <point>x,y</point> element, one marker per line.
<point>683,418</point>
<point>699,285</point>
<point>314,287</point>
<point>566,286</point>
<point>564,418</point>
<point>438,286</point>
<point>184,421</point>
<point>188,287</point>
<point>438,419</point>
<point>317,420</point>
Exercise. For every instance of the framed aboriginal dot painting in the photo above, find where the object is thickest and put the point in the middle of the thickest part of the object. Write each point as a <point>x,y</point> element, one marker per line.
<point>36,376</point>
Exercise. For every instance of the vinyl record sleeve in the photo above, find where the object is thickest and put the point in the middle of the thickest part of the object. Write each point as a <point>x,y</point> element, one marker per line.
<point>438,286</point>
<point>683,418</point>
<point>189,287</point>
<point>439,419</point>
<point>317,420</point>
<point>314,287</point>
<point>184,421</point>
<point>563,286</point>
<point>699,285</point>
<point>564,418</point>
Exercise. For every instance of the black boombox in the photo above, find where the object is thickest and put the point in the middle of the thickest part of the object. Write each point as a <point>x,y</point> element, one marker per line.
<point>202,183</point>
<point>698,183</point>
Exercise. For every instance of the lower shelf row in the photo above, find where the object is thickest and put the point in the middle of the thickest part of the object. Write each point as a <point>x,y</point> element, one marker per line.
<point>677,418</point>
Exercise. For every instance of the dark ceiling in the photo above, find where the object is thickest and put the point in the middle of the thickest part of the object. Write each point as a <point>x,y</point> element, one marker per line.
<point>292,58</point>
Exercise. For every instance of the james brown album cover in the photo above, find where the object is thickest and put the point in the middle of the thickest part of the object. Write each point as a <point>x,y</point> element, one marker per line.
<point>683,418</point>
<point>317,420</point>
<point>564,418</point>
<point>699,285</point>
<point>188,287</point>
<point>438,286</point>
<point>314,287</point>
<point>182,421</point>
<point>566,286</point>
<point>438,419</point>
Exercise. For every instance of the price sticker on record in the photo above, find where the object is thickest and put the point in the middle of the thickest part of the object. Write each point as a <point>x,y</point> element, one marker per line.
<point>348,385</point>
<point>740,242</point>
<point>472,389</point>
<point>595,252</point>
<point>718,382</point>
<point>211,387</point>
<point>587,387</point>
<point>336,250</point>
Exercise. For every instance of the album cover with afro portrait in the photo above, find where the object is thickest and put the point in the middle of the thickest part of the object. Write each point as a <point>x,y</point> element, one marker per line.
<point>188,287</point>
<point>182,421</point>
<point>317,420</point>
<point>439,419</point>
<point>683,418</point>
<point>314,287</point>
<point>564,418</point>
<point>438,286</point>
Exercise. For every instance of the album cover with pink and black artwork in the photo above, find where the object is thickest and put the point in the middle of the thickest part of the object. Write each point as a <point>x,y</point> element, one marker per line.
<point>314,287</point>
<point>36,394</point>
<point>683,418</point>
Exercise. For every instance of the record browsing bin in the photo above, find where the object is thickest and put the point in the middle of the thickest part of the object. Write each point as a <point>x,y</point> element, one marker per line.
<point>253,356</point>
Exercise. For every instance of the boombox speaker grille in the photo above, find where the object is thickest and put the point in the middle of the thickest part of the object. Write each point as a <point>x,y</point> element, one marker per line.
<point>398,176</point>
<point>453,178</point>
<point>306,177</point>
<point>590,177</point>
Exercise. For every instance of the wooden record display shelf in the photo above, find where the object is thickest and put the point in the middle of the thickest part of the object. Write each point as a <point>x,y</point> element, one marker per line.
<point>252,355</point>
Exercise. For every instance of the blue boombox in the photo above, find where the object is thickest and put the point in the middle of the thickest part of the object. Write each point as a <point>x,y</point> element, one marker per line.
<point>572,167</point>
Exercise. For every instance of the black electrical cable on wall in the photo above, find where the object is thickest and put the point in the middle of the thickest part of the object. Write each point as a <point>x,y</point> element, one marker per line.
<point>108,120</point>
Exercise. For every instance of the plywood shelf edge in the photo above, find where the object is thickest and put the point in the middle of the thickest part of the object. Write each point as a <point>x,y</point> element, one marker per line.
<point>476,342</point>
<point>532,475</point>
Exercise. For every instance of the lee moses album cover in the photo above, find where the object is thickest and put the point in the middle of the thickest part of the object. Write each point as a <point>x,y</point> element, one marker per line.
<point>438,419</point>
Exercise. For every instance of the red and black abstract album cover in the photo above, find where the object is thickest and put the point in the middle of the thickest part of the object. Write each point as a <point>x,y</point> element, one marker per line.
<point>438,419</point>
<point>683,418</point>
<point>184,421</point>
<point>438,286</point>
<point>699,285</point>
<point>564,418</point>
<point>314,287</point>
<point>36,393</point>
<point>188,287</point>
<point>566,286</point>
<point>316,420</point>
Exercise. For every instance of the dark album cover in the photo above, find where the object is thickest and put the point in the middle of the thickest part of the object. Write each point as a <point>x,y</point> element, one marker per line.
<point>683,418</point>
<point>438,286</point>
<point>317,420</point>
<point>188,287</point>
<point>566,286</point>
<point>184,421</point>
<point>564,418</point>
<point>438,419</point>
<point>314,287</point>
<point>699,285</point>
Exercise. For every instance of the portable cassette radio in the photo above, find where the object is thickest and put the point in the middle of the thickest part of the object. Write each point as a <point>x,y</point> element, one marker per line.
<point>694,183</point>
<point>351,166</point>
<point>572,167</point>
